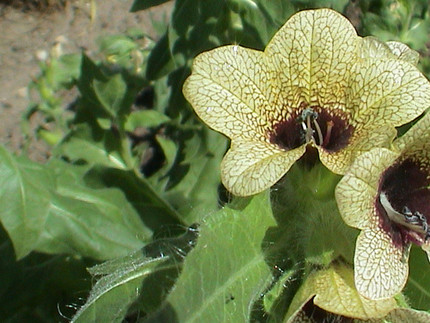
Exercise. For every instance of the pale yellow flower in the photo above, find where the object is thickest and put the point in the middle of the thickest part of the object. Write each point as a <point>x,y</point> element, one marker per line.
<point>317,84</point>
<point>329,295</point>
<point>386,194</point>
<point>332,291</point>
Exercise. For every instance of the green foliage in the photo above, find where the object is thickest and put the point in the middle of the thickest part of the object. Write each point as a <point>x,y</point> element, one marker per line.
<point>417,290</point>
<point>132,170</point>
<point>141,278</point>
<point>40,288</point>
<point>229,265</point>
<point>47,208</point>
<point>404,21</point>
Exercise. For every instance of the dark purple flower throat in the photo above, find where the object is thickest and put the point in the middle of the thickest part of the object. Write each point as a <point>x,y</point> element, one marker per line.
<point>403,203</point>
<point>328,130</point>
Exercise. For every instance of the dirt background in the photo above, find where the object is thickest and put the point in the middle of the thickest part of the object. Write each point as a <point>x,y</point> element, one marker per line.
<point>27,35</point>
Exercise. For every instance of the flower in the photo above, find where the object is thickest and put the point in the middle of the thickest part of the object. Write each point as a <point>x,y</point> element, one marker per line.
<point>329,295</point>
<point>317,84</point>
<point>386,194</point>
<point>330,292</point>
<point>312,313</point>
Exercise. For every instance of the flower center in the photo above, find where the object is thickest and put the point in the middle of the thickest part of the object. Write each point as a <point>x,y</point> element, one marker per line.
<point>403,204</point>
<point>312,125</point>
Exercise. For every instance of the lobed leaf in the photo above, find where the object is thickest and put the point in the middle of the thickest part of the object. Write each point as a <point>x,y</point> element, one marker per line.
<point>113,294</point>
<point>141,278</point>
<point>226,272</point>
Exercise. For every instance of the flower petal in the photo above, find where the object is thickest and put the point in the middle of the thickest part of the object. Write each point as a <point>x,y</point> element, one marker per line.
<point>311,56</point>
<point>372,47</point>
<point>357,190</point>
<point>403,51</point>
<point>300,315</point>
<point>381,269</point>
<point>389,91</point>
<point>228,89</point>
<point>335,293</point>
<point>250,167</point>
<point>361,141</point>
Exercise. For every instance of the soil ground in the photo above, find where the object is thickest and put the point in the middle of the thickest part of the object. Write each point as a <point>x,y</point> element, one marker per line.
<point>26,35</point>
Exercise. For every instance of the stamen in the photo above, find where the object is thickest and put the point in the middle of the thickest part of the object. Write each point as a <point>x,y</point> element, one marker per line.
<point>320,136</point>
<point>330,125</point>
<point>418,219</point>
<point>414,221</point>
<point>312,131</point>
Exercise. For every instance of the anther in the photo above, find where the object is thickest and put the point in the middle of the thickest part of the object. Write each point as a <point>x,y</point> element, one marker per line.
<point>415,221</point>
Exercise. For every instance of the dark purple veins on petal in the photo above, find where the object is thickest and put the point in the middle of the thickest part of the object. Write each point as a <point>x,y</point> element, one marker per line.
<point>333,134</point>
<point>405,184</point>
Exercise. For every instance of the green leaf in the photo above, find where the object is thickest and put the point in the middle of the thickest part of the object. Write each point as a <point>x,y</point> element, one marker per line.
<point>226,272</point>
<point>273,298</point>
<point>116,45</point>
<point>192,184</point>
<point>276,12</point>
<point>338,5</point>
<point>89,74</point>
<point>64,71</point>
<point>145,119</point>
<point>406,21</point>
<point>309,221</point>
<point>259,20</point>
<point>112,295</point>
<point>145,4</point>
<point>417,288</point>
<point>170,150</point>
<point>50,137</point>
<point>48,209</point>
<point>111,93</point>
<point>92,146</point>
<point>143,278</point>
<point>160,61</point>
<point>40,288</point>
<point>104,95</point>
<point>105,123</point>
<point>195,26</point>
<point>126,53</point>
<point>154,210</point>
